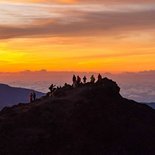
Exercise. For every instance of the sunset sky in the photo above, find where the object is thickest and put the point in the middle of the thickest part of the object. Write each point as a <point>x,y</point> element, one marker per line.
<point>77,35</point>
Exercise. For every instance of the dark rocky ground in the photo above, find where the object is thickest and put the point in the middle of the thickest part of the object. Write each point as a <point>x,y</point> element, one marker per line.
<point>88,120</point>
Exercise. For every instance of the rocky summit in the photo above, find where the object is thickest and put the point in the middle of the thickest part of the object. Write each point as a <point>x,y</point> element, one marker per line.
<point>91,119</point>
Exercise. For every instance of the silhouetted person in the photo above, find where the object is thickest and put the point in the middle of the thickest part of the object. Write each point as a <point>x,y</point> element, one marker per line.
<point>51,88</point>
<point>78,80</point>
<point>92,79</point>
<point>31,97</point>
<point>84,79</point>
<point>34,96</point>
<point>99,78</point>
<point>74,81</point>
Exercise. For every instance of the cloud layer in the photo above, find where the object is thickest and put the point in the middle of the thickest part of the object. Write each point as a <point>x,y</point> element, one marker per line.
<point>137,86</point>
<point>49,19</point>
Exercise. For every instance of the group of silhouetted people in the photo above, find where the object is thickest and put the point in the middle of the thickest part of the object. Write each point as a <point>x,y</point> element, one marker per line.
<point>76,83</point>
<point>77,80</point>
<point>32,96</point>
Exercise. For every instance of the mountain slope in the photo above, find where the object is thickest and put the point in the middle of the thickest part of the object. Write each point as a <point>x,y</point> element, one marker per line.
<point>151,105</point>
<point>92,119</point>
<point>12,95</point>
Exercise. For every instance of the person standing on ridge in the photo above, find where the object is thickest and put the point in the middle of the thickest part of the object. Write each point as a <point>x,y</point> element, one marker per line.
<point>51,88</point>
<point>34,95</point>
<point>92,79</point>
<point>78,80</point>
<point>74,81</point>
<point>84,79</point>
<point>99,78</point>
<point>31,97</point>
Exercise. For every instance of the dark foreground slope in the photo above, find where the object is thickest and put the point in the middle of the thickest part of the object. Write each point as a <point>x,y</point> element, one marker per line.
<point>89,120</point>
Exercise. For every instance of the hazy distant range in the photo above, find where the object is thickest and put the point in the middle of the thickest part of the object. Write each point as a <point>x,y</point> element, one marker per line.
<point>138,86</point>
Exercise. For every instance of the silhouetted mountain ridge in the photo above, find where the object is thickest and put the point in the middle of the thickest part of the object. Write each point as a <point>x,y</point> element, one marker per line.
<point>91,119</point>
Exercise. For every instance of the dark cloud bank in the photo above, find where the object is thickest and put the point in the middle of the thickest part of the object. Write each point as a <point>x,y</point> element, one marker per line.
<point>90,23</point>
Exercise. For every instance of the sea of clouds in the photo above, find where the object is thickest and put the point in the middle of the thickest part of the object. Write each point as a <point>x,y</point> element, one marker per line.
<point>138,86</point>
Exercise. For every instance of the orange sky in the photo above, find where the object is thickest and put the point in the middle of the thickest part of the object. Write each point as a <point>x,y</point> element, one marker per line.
<point>69,35</point>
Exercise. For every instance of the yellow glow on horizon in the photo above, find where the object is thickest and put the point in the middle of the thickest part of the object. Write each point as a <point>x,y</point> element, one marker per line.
<point>76,54</point>
<point>73,35</point>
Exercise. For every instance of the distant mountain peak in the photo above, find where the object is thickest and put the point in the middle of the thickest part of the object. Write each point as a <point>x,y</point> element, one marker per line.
<point>4,85</point>
<point>14,95</point>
